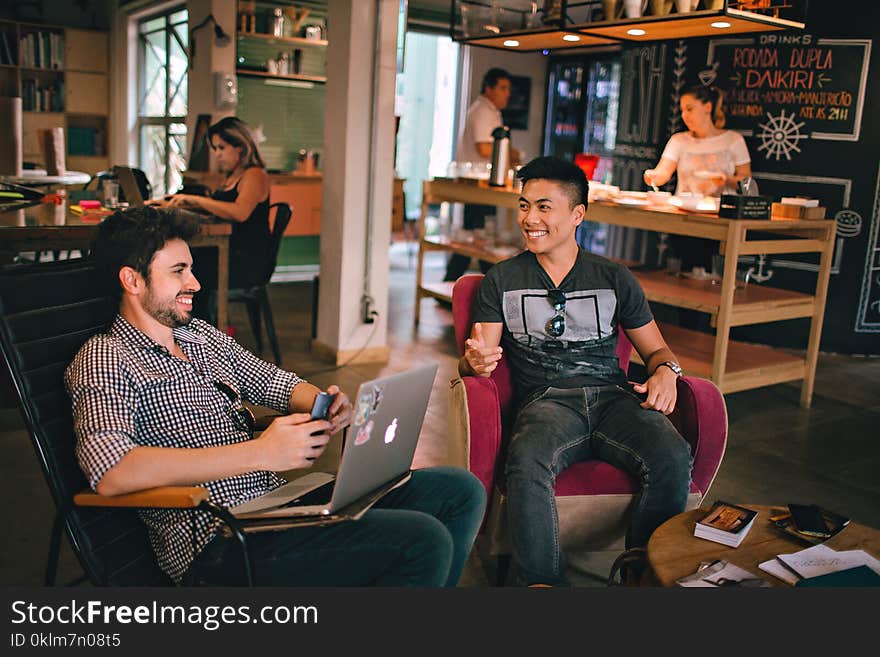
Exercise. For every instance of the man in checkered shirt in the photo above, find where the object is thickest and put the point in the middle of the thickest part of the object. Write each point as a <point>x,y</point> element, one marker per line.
<point>157,401</point>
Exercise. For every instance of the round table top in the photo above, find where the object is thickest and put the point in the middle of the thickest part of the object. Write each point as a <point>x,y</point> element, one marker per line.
<point>674,551</point>
<point>40,178</point>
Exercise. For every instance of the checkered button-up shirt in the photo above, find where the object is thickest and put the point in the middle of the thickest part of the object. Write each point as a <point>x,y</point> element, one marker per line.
<point>129,391</point>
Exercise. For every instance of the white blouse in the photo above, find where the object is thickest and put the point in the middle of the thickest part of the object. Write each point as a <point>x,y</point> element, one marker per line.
<point>720,153</point>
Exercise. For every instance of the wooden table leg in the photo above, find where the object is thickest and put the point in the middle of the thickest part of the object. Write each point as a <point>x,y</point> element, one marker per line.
<point>222,284</point>
<point>420,263</point>
<point>812,355</point>
<point>735,236</point>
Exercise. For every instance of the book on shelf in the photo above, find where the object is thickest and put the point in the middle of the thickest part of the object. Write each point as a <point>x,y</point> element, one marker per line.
<point>726,523</point>
<point>6,53</point>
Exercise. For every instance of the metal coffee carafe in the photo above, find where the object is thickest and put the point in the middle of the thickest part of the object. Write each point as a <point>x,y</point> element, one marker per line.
<point>307,161</point>
<point>500,156</point>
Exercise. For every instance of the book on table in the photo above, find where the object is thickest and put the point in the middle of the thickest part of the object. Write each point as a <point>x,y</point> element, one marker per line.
<point>726,523</point>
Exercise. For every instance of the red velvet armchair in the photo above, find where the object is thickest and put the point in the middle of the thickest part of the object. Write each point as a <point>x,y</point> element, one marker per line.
<point>592,497</point>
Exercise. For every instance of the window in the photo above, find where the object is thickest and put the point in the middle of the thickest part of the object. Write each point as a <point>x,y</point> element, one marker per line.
<point>162,98</point>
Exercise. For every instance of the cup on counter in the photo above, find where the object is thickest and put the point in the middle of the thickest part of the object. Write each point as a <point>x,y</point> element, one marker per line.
<point>673,265</point>
<point>634,8</point>
<point>111,193</point>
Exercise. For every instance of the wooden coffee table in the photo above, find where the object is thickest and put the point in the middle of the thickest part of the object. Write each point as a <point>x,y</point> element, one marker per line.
<point>674,551</point>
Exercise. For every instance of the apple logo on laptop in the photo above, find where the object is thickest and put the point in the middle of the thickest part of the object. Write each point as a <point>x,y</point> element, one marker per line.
<point>391,431</point>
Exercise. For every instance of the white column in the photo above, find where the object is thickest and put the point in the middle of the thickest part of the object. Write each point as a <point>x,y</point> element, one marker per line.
<point>358,176</point>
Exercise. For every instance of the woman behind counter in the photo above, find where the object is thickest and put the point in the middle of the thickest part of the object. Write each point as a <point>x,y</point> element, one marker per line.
<point>709,160</point>
<point>243,199</point>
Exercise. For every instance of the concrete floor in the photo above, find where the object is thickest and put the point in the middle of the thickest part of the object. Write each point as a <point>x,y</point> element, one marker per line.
<point>777,452</point>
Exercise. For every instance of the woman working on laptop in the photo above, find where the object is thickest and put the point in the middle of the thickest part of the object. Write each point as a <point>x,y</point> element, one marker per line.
<point>243,199</point>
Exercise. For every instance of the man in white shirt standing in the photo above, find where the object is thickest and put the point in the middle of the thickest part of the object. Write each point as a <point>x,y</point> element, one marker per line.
<point>475,146</point>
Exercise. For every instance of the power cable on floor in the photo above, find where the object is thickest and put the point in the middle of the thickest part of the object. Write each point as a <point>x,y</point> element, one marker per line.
<point>353,356</point>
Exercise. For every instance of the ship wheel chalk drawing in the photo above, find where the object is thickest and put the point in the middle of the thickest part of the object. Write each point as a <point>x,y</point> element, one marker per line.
<point>780,136</point>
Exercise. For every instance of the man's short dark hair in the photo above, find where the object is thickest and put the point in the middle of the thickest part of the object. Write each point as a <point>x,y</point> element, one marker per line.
<point>493,75</point>
<point>557,170</point>
<point>130,238</point>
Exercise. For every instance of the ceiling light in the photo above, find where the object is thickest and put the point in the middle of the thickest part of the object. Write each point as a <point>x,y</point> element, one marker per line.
<point>511,43</point>
<point>571,37</point>
<point>636,32</point>
<point>721,25</point>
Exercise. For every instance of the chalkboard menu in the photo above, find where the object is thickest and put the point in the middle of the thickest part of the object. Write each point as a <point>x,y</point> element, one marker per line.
<point>782,89</point>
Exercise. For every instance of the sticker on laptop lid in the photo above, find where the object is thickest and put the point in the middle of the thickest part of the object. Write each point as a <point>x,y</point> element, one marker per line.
<point>363,434</point>
<point>377,397</point>
<point>363,409</point>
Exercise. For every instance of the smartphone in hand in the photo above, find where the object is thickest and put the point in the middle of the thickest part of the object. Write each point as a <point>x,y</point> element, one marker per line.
<point>321,407</point>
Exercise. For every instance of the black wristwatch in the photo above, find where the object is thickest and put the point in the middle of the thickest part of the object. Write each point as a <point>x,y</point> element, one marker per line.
<point>675,367</point>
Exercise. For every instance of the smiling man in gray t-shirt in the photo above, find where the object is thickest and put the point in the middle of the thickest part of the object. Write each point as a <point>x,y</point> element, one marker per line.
<point>556,311</point>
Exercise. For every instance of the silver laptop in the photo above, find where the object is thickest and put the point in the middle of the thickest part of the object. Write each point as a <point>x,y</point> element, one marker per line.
<point>129,186</point>
<point>378,454</point>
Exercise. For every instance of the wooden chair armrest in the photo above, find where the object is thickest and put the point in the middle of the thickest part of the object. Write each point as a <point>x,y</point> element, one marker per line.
<point>162,497</point>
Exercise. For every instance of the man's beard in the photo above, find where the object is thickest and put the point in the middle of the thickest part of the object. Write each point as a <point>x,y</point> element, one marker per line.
<point>167,314</point>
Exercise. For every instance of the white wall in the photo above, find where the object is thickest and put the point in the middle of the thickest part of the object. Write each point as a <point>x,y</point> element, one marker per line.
<point>476,61</point>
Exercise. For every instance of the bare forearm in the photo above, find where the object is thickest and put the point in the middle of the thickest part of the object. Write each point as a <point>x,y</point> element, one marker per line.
<point>147,467</point>
<point>224,209</point>
<point>653,361</point>
<point>302,397</point>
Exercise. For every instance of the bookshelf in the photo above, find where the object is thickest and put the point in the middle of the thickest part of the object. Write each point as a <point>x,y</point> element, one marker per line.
<point>62,77</point>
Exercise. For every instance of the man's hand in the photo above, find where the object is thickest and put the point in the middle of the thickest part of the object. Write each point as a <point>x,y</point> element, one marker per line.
<point>481,359</point>
<point>341,411</point>
<point>661,390</point>
<point>288,443</point>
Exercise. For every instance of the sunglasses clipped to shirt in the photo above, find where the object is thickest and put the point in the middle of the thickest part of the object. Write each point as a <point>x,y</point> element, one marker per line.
<point>555,326</point>
<point>242,416</point>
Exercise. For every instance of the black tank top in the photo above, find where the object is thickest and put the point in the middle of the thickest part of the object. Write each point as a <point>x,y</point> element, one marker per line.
<point>250,244</point>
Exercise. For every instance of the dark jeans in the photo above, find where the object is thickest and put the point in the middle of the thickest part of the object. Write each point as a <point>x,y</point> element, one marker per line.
<point>564,426</point>
<point>474,217</point>
<point>417,535</point>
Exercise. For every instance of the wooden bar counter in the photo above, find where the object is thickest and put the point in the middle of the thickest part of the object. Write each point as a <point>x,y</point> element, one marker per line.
<point>731,365</point>
<point>46,227</point>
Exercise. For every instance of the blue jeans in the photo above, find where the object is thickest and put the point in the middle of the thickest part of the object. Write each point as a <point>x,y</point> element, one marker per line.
<point>419,534</point>
<point>563,426</point>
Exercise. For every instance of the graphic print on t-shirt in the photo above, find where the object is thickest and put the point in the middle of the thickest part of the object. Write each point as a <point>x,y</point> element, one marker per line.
<point>588,315</point>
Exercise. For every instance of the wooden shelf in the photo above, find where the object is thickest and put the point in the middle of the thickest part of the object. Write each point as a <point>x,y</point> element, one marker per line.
<point>475,249</point>
<point>299,41</point>
<point>83,57</point>
<point>441,291</point>
<point>260,74</point>
<point>731,365</point>
<point>748,365</point>
<point>752,304</point>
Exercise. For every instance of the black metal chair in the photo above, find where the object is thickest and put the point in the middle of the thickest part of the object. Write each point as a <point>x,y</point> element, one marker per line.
<point>256,298</point>
<point>47,312</point>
